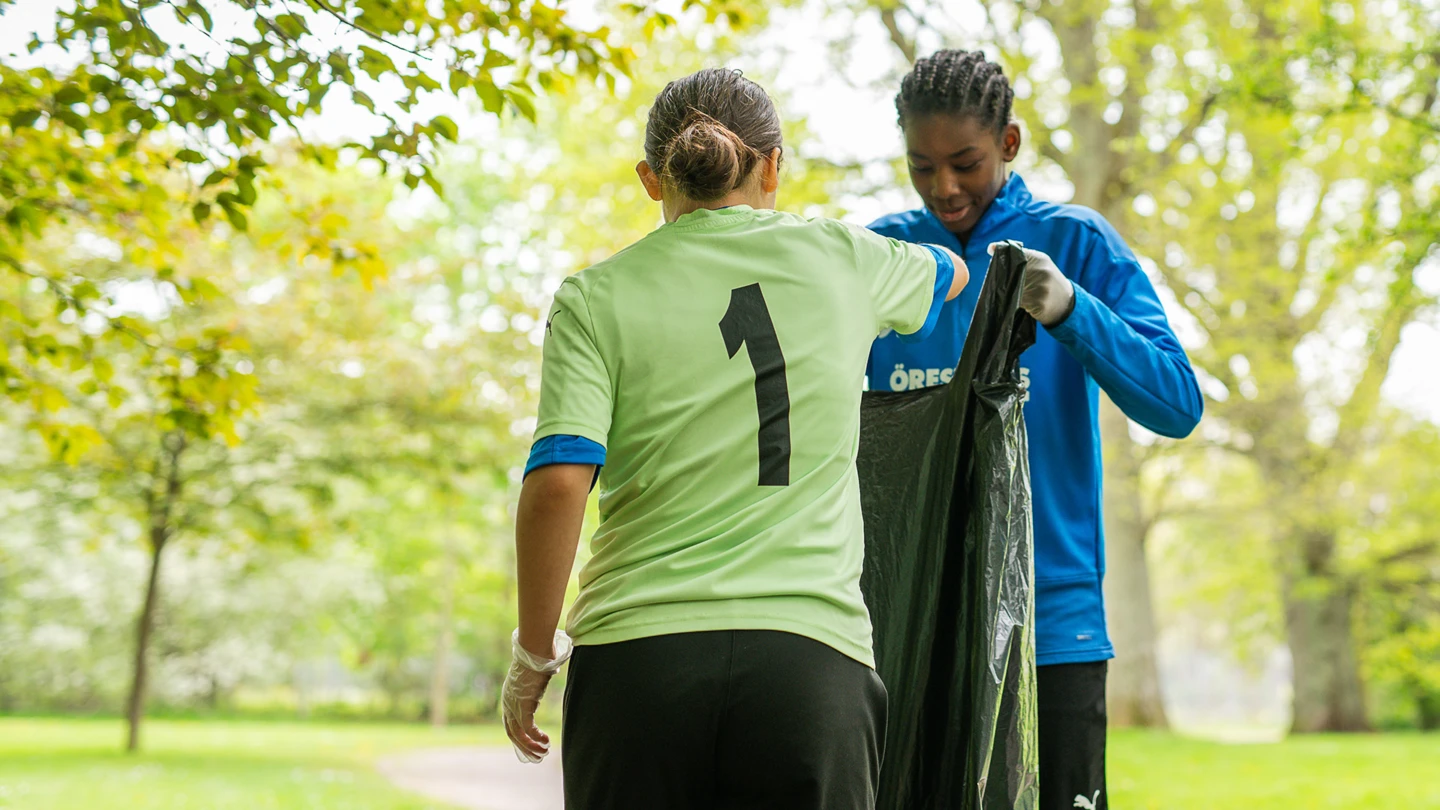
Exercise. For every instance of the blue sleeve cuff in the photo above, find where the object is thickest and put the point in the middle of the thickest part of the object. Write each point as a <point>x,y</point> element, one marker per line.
<point>565,449</point>
<point>944,277</point>
<point>1080,317</point>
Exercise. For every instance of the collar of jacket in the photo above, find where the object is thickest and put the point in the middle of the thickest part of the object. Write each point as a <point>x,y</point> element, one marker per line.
<point>1013,197</point>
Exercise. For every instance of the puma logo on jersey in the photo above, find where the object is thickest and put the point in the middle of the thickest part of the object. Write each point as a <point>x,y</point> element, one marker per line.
<point>1087,804</point>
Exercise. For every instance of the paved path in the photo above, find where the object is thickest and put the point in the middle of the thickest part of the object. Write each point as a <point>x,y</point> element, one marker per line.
<point>478,778</point>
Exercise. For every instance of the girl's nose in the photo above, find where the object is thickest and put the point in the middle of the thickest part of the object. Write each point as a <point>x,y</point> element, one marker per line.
<point>947,183</point>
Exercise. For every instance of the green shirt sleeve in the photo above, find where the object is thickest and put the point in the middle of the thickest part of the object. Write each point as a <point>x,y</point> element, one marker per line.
<point>575,393</point>
<point>901,278</point>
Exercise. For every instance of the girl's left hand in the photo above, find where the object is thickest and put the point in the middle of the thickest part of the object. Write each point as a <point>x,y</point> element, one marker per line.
<point>1048,295</point>
<point>524,686</point>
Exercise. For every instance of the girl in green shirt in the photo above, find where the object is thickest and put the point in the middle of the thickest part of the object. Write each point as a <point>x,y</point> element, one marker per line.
<point>722,653</point>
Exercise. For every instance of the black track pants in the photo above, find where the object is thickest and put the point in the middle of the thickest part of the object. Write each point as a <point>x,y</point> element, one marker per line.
<point>1071,703</point>
<point>749,719</point>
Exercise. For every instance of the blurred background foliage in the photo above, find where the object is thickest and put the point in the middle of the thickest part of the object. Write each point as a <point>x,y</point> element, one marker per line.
<point>259,452</point>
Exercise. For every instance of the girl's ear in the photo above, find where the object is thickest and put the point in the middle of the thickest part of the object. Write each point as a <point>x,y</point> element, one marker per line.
<point>1010,141</point>
<point>770,172</point>
<point>649,179</point>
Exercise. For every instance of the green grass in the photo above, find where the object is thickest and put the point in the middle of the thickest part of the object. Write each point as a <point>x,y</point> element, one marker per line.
<point>73,764</point>
<point>1152,771</point>
<point>70,764</point>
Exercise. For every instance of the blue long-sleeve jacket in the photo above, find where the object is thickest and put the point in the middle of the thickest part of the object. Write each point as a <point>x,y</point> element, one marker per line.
<point>1117,339</point>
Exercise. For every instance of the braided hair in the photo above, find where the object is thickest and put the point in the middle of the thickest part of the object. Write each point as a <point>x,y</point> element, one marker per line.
<point>961,83</point>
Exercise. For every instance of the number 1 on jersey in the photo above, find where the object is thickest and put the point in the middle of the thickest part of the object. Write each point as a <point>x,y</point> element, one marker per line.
<point>748,321</point>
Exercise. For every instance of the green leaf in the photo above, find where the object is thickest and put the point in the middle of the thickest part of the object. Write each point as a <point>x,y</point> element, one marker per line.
<point>246,185</point>
<point>201,212</point>
<point>69,94</point>
<point>291,25</point>
<point>495,59</point>
<point>316,93</point>
<point>230,204</point>
<point>204,287</point>
<point>523,103</point>
<point>216,176</point>
<point>375,63</point>
<point>490,96</point>
<point>204,15</point>
<point>72,119</point>
<point>446,127</point>
<point>85,291</point>
<point>24,118</point>
<point>237,219</point>
<point>190,156</point>
<point>421,80</point>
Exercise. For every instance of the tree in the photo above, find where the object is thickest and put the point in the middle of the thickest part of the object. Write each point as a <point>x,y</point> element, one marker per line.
<point>1392,559</point>
<point>142,89</point>
<point>153,418</point>
<point>154,123</point>
<point>1386,557</point>
<point>1320,228</point>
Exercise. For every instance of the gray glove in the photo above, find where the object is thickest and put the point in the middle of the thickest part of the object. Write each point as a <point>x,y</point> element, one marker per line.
<point>1048,295</point>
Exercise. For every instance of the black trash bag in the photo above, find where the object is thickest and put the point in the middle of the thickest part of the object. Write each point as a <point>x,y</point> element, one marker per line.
<point>949,569</point>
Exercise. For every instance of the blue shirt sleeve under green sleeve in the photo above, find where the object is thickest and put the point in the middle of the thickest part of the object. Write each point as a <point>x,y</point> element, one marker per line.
<point>564,449</point>
<point>944,277</point>
<point>901,278</point>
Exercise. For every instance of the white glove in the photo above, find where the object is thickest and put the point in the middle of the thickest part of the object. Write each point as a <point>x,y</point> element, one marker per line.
<point>524,686</point>
<point>1048,295</point>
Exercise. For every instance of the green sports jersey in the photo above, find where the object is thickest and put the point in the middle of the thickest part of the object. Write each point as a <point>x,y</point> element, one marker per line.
<point>719,361</point>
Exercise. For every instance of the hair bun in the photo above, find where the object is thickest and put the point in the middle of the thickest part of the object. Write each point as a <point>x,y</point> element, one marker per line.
<point>706,160</point>
<point>706,133</point>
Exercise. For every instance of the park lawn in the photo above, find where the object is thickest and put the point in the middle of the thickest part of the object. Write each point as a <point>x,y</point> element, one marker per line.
<point>1155,771</point>
<point>68,764</point>
<point>77,764</point>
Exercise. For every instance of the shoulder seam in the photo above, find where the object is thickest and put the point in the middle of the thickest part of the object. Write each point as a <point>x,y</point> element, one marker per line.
<point>590,323</point>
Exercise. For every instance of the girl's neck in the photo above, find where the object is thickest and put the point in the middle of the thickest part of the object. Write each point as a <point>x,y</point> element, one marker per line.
<point>678,206</point>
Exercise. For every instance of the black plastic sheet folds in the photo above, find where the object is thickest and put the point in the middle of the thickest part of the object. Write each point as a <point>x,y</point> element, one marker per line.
<point>949,569</point>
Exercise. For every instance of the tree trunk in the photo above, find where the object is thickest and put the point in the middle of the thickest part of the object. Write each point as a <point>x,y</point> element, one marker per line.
<point>445,638</point>
<point>160,509</point>
<point>1133,696</point>
<point>1427,704</point>
<point>302,691</point>
<point>135,707</point>
<point>1319,625</point>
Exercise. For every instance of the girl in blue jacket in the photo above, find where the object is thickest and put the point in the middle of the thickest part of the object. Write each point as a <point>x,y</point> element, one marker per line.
<point>1103,328</point>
